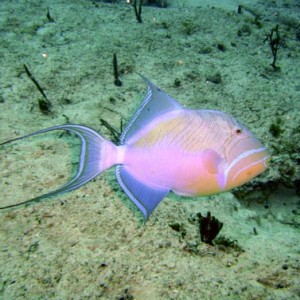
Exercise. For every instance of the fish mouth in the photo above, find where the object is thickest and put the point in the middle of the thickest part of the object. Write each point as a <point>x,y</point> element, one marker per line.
<point>247,164</point>
<point>259,160</point>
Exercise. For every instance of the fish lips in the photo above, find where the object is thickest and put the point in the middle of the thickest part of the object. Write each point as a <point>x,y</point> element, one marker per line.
<point>251,160</point>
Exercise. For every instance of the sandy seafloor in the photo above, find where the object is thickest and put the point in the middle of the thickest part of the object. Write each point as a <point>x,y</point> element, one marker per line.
<point>89,244</point>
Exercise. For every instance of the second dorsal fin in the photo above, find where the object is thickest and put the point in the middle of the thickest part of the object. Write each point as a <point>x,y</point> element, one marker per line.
<point>155,103</point>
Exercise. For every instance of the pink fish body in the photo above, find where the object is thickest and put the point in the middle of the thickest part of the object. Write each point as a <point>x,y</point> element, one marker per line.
<point>168,148</point>
<point>194,153</point>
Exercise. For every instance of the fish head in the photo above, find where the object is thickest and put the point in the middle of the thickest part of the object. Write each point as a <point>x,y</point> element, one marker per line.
<point>244,156</point>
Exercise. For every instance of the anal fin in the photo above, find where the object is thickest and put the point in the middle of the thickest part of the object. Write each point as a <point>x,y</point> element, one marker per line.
<point>146,198</point>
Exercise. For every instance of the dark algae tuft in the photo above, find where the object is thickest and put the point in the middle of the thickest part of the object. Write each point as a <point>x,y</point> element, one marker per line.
<point>209,227</point>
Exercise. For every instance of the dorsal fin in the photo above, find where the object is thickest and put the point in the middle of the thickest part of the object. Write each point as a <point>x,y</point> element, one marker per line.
<point>155,103</point>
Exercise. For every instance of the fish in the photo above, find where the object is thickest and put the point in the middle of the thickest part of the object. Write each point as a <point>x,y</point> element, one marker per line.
<point>166,147</point>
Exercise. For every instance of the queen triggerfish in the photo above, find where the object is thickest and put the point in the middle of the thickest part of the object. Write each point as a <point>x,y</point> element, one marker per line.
<point>166,147</point>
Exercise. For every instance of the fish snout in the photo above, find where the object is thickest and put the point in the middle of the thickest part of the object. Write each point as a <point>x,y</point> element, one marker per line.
<point>251,159</point>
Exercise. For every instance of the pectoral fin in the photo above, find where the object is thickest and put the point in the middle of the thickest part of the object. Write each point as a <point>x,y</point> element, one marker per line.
<point>212,161</point>
<point>214,164</point>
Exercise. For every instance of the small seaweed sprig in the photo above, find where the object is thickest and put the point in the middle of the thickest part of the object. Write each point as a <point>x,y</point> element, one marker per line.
<point>274,42</point>
<point>44,103</point>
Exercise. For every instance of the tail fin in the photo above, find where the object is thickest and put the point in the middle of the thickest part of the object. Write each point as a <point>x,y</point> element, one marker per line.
<point>97,154</point>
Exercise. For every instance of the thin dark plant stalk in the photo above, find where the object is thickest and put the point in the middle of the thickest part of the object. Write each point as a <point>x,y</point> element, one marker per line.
<point>138,10</point>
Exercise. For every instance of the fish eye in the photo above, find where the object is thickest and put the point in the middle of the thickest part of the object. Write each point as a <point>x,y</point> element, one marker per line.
<point>238,131</point>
